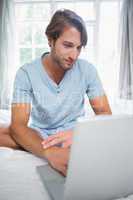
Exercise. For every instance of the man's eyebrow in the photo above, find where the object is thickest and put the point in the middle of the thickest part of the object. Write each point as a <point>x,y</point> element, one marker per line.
<point>71,43</point>
<point>67,42</point>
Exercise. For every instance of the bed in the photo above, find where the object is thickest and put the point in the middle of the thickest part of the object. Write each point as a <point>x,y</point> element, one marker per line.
<point>18,176</point>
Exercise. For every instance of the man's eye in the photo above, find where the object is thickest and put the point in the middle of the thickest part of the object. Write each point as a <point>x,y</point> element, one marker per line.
<point>79,48</point>
<point>67,46</point>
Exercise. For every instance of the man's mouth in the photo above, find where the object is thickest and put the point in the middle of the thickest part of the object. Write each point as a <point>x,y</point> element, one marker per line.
<point>69,62</point>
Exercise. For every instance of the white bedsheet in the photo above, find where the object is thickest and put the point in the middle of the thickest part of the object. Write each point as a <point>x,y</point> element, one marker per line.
<point>4,116</point>
<point>18,177</point>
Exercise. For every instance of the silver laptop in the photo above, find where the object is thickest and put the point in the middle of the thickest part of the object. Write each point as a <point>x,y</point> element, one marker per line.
<point>101,162</point>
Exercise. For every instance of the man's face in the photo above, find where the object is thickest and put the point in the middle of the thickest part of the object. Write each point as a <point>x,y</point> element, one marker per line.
<point>66,49</point>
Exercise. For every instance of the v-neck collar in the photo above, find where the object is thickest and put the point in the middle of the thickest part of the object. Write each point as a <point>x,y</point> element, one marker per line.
<point>49,79</point>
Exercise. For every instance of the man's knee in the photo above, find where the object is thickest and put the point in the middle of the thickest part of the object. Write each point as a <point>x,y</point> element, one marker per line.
<point>5,138</point>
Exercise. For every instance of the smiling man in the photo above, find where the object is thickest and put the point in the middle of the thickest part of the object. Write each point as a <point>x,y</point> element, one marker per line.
<point>49,94</point>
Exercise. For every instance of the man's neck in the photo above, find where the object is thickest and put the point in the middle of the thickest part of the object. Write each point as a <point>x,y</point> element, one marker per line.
<point>55,72</point>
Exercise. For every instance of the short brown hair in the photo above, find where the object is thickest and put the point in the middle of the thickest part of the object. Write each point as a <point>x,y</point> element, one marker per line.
<point>62,19</point>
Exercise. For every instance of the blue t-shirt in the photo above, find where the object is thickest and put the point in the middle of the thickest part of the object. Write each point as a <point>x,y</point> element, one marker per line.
<point>56,107</point>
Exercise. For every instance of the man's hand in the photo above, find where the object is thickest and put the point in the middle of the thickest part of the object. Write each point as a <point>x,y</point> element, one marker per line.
<point>58,158</point>
<point>64,138</point>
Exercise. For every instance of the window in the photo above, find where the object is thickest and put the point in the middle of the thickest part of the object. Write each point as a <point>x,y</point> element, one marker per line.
<point>31,21</point>
<point>108,45</point>
<point>32,18</point>
<point>102,22</point>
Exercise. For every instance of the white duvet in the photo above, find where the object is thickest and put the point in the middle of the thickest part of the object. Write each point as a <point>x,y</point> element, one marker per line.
<point>18,177</point>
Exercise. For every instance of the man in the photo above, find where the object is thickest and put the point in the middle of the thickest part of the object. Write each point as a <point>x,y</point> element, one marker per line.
<point>49,94</point>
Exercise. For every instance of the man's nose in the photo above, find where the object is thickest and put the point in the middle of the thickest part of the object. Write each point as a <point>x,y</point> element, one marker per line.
<point>74,54</point>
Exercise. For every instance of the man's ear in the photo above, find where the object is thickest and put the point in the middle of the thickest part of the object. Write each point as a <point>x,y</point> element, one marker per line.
<point>50,42</point>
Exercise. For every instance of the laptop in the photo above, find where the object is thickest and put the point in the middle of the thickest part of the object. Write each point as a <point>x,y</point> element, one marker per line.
<point>101,162</point>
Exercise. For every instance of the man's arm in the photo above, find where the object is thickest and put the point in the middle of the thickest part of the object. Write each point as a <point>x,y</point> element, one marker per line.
<point>31,141</point>
<point>100,105</point>
<point>26,137</point>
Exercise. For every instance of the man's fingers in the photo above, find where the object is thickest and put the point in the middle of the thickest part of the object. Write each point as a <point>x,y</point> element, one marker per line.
<point>56,139</point>
<point>66,144</point>
<point>63,170</point>
<point>48,140</point>
<point>53,142</point>
<point>51,137</point>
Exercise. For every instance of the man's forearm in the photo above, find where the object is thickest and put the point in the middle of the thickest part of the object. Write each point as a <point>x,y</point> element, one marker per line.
<point>29,139</point>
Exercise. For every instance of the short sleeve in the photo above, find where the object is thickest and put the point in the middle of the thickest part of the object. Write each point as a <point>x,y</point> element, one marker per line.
<point>22,90</point>
<point>94,88</point>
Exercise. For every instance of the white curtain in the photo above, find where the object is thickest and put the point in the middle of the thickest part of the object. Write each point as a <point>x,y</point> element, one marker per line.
<point>126,54</point>
<point>7,49</point>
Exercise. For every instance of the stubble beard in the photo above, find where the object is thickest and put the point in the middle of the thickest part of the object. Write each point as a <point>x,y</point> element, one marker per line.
<point>58,61</point>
